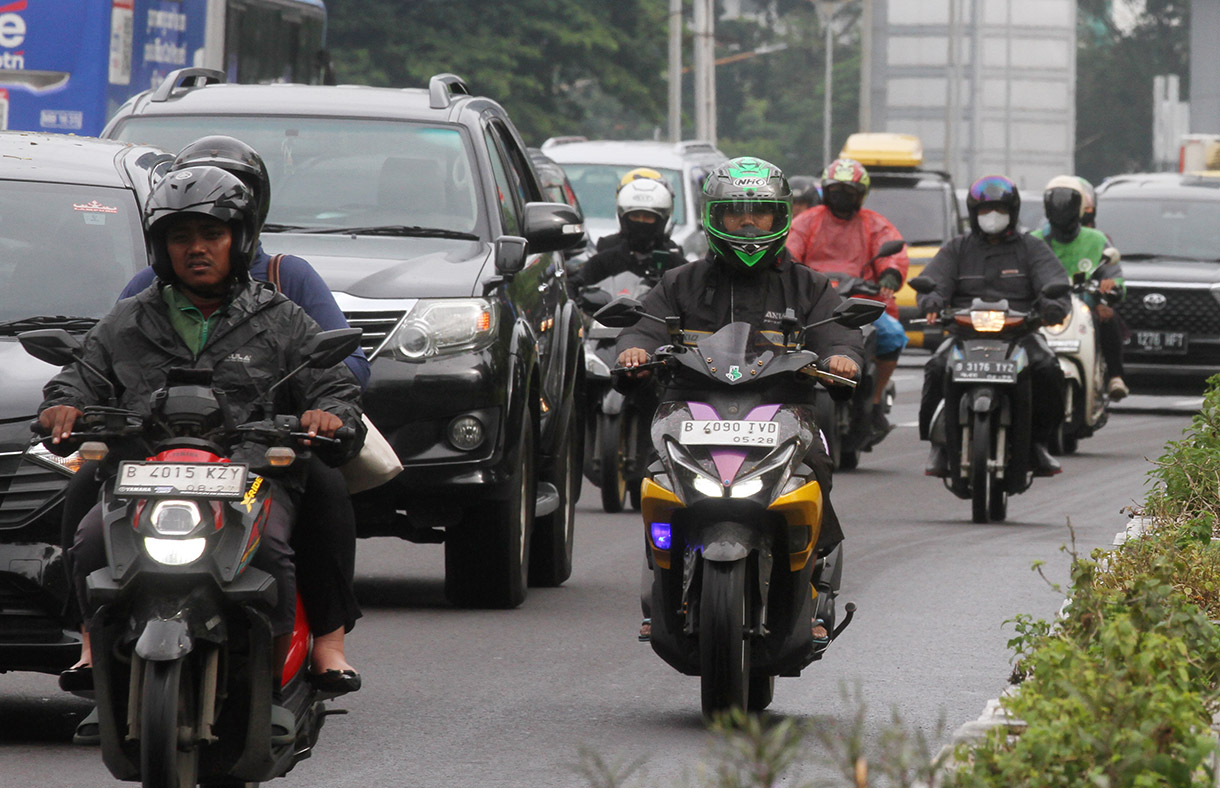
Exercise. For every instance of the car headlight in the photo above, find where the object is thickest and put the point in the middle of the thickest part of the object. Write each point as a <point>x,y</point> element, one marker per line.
<point>175,518</point>
<point>69,464</point>
<point>437,326</point>
<point>174,552</point>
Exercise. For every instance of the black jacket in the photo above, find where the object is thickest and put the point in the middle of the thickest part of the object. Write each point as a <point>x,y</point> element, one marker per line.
<point>615,257</point>
<point>707,295</point>
<point>255,343</point>
<point>1016,268</point>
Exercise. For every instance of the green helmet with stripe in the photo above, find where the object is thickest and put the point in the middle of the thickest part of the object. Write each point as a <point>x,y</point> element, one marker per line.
<point>747,210</point>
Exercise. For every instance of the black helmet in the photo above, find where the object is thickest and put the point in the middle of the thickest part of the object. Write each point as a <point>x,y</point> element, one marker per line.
<point>805,188</point>
<point>234,156</point>
<point>203,191</point>
<point>993,190</point>
<point>747,185</point>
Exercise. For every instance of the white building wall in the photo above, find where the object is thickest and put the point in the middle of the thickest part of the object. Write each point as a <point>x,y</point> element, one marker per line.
<point>1010,108</point>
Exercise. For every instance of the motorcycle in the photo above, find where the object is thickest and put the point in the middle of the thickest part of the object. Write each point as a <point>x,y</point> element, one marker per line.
<point>1076,343</point>
<point>986,409</point>
<point>730,517</point>
<point>186,684</point>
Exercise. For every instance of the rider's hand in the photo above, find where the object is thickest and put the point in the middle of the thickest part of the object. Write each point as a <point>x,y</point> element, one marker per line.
<point>58,421</point>
<point>933,318</point>
<point>633,357</point>
<point>842,366</point>
<point>319,422</point>
<point>886,293</point>
<point>1106,285</point>
<point>1105,312</point>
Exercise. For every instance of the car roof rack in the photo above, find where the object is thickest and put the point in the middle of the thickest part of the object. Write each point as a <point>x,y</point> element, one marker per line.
<point>443,87</point>
<point>551,142</point>
<point>187,79</point>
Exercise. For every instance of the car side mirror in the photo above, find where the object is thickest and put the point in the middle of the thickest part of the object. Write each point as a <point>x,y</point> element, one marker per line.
<point>552,227</point>
<point>511,251</point>
<point>51,345</point>
<point>922,285</point>
<point>328,348</point>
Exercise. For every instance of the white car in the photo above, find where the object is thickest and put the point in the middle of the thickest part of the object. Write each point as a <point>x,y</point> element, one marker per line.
<point>594,168</point>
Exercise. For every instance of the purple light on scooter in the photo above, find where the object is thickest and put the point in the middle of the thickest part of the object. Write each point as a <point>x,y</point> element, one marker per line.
<point>662,537</point>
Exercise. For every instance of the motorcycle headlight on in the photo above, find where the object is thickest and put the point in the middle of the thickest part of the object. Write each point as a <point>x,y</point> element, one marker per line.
<point>1059,328</point>
<point>986,321</point>
<point>175,523</point>
<point>175,518</point>
<point>439,326</point>
<point>174,552</point>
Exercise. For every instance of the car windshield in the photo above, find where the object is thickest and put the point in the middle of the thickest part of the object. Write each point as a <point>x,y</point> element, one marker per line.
<point>1162,227</point>
<point>66,249</point>
<point>921,214</point>
<point>341,172</point>
<point>596,185</point>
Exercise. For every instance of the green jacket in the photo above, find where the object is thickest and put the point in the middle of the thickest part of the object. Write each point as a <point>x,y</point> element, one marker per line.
<point>1089,244</point>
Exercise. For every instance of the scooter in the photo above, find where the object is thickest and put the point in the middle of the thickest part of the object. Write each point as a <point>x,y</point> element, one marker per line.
<point>616,441</point>
<point>731,518</point>
<point>185,680</point>
<point>1076,343</point>
<point>986,410</point>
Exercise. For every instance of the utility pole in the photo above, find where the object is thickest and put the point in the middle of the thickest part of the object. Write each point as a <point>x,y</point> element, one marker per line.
<point>826,11</point>
<point>866,65</point>
<point>705,71</point>
<point>675,70</point>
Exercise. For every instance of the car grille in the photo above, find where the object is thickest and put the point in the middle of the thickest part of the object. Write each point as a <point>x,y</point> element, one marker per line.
<point>1193,310</point>
<point>376,326</point>
<point>25,487</point>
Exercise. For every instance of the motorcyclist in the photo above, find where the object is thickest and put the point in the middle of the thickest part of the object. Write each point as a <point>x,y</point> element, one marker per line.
<point>806,194</point>
<point>994,261</point>
<point>1112,328</point>
<point>842,236</point>
<point>749,276</point>
<point>202,224</point>
<point>324,536</point>
<point>645,208</point>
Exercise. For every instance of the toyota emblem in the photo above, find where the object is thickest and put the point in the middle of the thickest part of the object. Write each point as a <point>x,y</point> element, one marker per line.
<point>1155,302</point>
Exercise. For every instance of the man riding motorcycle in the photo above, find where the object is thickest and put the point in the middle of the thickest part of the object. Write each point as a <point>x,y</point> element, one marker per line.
<point>205,314</point>
<point>842,236</point>
<point>994,261</point>
<point>1068,205</point>
<point>749,276</point>
<point>806,194</point>
<point>645,208</point>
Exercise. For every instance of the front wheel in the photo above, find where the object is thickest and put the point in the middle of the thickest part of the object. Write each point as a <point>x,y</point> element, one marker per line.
<point>762,691</point>
<point>551,546</point>
<point>724,653</point>
<point>612,444</point>
<point>166,718</point>
<point>980,454</point>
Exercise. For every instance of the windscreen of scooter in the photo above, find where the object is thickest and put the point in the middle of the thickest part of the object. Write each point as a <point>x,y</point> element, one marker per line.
<point>736,346</point>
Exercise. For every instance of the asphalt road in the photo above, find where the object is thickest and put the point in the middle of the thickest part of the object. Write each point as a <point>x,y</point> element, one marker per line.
<point>510,698</point>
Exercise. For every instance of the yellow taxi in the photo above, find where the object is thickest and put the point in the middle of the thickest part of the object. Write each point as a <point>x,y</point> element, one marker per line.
<point>920,203</point>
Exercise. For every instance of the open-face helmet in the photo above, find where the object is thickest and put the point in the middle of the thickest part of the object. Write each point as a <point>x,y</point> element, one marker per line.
<point>747,210</point>
<point>1063,202</point>
<point>203,191</point>
<point>234,156</point>
<point>652,199</point>
<point>845,184</point>
<point>647,173</point>
<point>994,190</point>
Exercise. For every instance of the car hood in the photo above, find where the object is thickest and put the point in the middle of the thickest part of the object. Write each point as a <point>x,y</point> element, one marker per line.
<point>390,267</point>
<point>1170,270</point>
<point>24,377</point>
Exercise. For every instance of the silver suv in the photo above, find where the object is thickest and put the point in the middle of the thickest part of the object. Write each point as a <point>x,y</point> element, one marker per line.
<point>595,167</point>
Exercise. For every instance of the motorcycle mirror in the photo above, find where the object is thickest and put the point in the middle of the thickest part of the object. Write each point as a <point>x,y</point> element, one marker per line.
<point>1056,290</point>
<point>922,284</point>
<point>623,312</point>
<point>52,345</point>
<point>857,312</point>
<point>889,248</point>
<point>329,348</point>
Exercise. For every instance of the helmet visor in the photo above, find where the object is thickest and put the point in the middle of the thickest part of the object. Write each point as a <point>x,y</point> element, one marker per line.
<point>991,189</point>
<point>748,220</point>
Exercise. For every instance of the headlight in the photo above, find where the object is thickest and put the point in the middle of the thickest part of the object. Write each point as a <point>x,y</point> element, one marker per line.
<point>175,518</point>
<point>747,488</point>
<point>436,326</point>
<point>765,475</point>
<point>174,552</point>
<point>705,486</point>
<point>69,464</point>
<point>1059,328</point>
<point>987,321</point>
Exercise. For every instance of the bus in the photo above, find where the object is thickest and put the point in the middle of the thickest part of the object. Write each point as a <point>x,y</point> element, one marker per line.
<point>67,65</point>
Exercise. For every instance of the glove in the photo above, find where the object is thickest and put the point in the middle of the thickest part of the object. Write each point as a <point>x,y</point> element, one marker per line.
<point>1052,313</point>
<point>890,278</point>
<point>931,303</point>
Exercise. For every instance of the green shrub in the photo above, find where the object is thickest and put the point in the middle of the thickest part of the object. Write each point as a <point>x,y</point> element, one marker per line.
<point>1188,474</point>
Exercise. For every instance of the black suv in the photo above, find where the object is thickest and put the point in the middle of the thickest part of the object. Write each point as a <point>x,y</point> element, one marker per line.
<point>422,212</point>
<point>71,237</point>
<point>1165,226</point>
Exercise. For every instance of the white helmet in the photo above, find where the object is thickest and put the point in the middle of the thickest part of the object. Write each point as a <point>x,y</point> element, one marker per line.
<point>647,196</point>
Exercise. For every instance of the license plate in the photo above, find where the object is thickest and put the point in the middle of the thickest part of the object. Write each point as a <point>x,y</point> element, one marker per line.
<point>699,432</point>
<point>988,371</point>
<point>215,480</point>
<point>1164,342</point>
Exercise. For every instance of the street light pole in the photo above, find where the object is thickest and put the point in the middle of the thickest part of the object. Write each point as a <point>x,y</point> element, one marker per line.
<point>675,70</point>
<point>705,70</point>
<point>826,11</point>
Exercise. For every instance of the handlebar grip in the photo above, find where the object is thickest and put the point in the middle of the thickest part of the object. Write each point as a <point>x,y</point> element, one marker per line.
<point>37,428</point>
<point>345,433</point>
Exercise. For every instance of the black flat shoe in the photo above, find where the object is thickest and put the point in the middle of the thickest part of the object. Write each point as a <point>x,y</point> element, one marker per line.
<point>338,682</point>
<point>77,679</point>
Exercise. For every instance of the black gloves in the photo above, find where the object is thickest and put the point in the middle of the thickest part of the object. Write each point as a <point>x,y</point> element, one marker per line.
<point>890,278</point>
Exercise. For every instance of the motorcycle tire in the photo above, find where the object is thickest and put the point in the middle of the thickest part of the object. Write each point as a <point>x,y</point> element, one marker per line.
<point>551,546</point>
<point>487,553</point>
<point>849,460</point>
<point>724,653</point>
<point>980,454</point>
<point>167,701</point>
<point>612,443</point>
<point>635,493</point>
<point>762,691</point>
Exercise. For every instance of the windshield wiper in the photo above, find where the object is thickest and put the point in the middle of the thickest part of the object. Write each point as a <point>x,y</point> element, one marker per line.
<point>395,229</point>
<point>65,322</point>
<point>271,227</point>
<point>1162,256</point>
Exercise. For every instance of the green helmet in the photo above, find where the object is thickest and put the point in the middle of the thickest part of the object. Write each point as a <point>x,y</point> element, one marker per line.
<point>747,210</point>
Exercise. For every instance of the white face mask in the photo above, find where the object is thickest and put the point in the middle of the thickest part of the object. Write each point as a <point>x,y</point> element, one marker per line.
<point>993,223</point>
